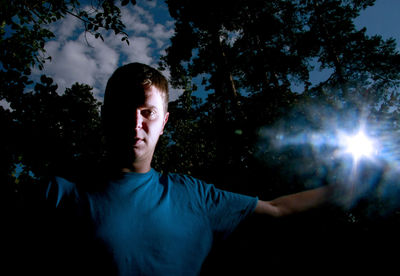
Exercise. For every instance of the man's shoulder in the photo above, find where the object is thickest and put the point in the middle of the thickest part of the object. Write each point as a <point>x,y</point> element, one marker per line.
<point>182,179</point>
<point>183,183</point>
<point>59,188</point>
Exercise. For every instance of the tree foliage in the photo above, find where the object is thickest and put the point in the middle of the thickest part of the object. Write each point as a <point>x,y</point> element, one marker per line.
<point>249,53</point>
<point>25,30</point>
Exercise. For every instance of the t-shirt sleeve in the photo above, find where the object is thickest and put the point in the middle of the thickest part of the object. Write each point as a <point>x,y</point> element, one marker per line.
<point>224,209</point>
<point>58,191</point>
<point>227,209</point>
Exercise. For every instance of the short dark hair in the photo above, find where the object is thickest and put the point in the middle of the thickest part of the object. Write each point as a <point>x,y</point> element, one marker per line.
<point>127,80</point>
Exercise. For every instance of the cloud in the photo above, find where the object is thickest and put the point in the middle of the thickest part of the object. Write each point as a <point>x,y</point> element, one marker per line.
<point>139,50</point>
<point>136,20</point>
<point>150,4</point>
<point>6,105</point>
<point>71,63</point>
<point>79,57</point>
<point>65,28</point>
<point>173,92</point>
<point>161,35</point>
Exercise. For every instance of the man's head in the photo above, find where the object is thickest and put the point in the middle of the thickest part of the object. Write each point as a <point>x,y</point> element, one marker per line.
<point>134,114</point>
<point>130,78</point>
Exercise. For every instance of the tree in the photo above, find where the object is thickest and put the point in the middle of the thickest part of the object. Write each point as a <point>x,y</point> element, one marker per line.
<point>203,28</point>
<point>25,29</point>
<point>248,53</point>
<point>63,131</point>
<point>362,66</point>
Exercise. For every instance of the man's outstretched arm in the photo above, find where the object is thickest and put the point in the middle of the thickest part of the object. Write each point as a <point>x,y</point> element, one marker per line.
<point>294,203</point>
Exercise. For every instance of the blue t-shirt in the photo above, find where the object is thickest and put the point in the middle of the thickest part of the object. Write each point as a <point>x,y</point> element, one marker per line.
<point>154,224</point>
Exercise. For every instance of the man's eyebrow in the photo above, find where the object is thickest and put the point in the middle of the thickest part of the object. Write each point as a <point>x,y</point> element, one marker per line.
<point>148,106</point>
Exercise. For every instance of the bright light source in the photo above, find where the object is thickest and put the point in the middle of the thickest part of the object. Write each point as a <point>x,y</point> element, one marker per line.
<point>358,145</point>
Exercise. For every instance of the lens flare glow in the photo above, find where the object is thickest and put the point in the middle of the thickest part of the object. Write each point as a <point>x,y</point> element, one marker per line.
<point>358,145</point>
<point>349,149</point>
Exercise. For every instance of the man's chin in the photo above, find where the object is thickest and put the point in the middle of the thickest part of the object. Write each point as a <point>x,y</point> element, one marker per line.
<point>138,153</point>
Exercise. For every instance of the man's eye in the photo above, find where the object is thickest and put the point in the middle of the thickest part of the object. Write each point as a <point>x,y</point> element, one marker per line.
<point>149,113</point>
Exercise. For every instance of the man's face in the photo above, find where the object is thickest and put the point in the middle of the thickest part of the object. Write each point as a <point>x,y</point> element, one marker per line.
<point>149,121</point>
<point>138,122</point>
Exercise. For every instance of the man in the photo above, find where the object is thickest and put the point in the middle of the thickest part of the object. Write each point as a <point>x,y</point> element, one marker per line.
<point>134,220</point>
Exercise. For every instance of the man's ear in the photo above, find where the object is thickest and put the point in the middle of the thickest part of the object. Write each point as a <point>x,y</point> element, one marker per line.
<point>165,122</point>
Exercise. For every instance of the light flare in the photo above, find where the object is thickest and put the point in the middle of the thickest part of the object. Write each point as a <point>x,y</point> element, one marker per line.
<point>361,158</point>
<point>358,145</point>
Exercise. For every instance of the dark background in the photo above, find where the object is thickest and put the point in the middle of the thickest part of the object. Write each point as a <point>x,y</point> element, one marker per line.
<point>220,137</point>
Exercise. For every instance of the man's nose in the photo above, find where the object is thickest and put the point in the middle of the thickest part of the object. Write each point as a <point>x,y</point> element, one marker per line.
<point>138,120</point>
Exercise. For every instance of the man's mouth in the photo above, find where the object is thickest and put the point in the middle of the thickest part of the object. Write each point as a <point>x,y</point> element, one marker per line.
<point>137,141</point>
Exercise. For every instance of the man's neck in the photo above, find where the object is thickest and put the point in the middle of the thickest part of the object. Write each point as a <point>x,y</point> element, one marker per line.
<point>137,169</point>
